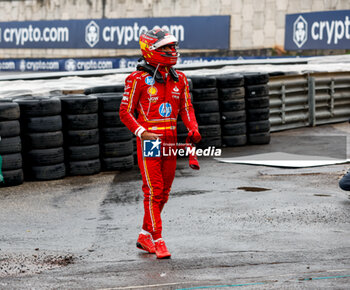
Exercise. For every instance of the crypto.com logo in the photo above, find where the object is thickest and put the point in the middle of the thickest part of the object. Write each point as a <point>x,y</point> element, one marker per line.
<point>300,31</point>
<point>92,33</point>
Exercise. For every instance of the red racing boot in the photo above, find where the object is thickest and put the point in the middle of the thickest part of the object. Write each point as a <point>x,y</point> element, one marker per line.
<point>145,242</point>
<point>161,250</point>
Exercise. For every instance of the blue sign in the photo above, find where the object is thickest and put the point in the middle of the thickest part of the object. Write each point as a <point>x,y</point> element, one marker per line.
<point>165,110</point>
<point>151,148</point>
<point>318,30</point>
<point>195,32</point>
<point>84,64</point>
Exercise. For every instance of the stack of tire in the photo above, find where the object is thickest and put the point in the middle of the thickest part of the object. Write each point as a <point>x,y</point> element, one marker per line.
<point>10,144</point>
<point>232,108</point>
<point>206,105</point>
<point>80,123</point>
<point>42,138</point>
<point>257,108</point>
<point>116,144</point>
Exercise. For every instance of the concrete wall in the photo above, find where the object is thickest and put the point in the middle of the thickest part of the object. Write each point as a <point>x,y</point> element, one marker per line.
<point>255,24</point>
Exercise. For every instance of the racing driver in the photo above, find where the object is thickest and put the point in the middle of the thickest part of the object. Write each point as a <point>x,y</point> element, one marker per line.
<point>159,94</point>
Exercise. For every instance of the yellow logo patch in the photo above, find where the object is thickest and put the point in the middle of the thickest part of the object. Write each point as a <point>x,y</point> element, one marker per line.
<point>152,91</point>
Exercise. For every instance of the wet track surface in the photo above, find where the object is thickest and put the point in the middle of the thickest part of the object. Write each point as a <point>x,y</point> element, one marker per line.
<point>227,225</point>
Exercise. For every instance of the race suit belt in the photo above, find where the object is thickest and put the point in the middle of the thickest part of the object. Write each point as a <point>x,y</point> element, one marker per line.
<point>162,128</point>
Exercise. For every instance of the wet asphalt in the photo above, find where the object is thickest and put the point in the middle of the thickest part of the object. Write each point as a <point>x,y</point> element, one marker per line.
<point>227,225</point>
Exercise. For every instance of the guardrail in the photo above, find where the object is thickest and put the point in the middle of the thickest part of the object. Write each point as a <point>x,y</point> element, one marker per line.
<point>309,100</point>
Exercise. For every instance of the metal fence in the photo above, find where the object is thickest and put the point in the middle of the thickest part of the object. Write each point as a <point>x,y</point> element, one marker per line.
<point>309,100</point>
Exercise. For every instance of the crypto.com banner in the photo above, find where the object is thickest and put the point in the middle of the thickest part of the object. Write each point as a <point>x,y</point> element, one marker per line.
<point>318,30</point>
<point>199,32</point>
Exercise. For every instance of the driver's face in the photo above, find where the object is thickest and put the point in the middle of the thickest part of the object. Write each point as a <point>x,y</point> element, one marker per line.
<point>167,48</point>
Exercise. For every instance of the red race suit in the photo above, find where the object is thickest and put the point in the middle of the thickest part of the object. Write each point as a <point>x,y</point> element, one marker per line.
<point>158,106</point>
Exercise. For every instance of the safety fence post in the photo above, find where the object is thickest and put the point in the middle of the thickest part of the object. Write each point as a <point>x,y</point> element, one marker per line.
<point>311,101</point>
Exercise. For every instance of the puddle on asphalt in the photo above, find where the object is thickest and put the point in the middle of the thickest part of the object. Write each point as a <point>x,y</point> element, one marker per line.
<point>13,265</point>
<point>253,189</point>
<point>122,194</point>
<point>127,176</point>
<point>188,192</point>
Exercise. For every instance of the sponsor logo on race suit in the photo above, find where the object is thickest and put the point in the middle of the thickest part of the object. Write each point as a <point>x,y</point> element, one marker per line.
<point>149,81</point>
<point>152,91</point>
<point>153,99</point>
<point>165,110</point>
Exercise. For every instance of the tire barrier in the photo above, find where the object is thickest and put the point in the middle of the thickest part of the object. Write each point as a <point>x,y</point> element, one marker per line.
<point>257,108</point>
<point>81,134</point>
<point>42,138</point>
<point>10,144</point>
<point>116,144</point>
<point>207,110</point>
<point>104,89</point>
<point>232,108</point>
<point>134,151</point>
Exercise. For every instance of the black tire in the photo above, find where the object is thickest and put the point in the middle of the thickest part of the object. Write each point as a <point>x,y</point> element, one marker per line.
<point>232,105</point>
<point>86,167</point>
<point>81,121</point>
<point>39,106</point>
<point>230,81</point>
<point>210,142</point>
<point>206,94</point>
<point>11,161</point>
<point>109,102</point>
<point>43,157</point>
<point>117,149</point>
<point>117,134</point>
<point>104,89</point>
<point>12,177</point>
<point>43,140</point>
<point>42,124</point>
<point>181,138</point>
<point>210,131</point>
<point>181,128</point>
<point>118,163</point>
<point>203,81</point>
<point>234,129</point>
<point>258,114</point>
<point>110,119</point>
<point>231,93</point>
<point>81,153</point>
<point>256,103</point>
<point>79,104</point>
<point>258,126</point>
<point>9,128</point>
<point>233,141</point>
<point>256,91</point>
<point>6,100</point>
<point>206,107</point>
<point>208,118</point>
<point>233,117</point>
<point>259,138</point>
<point>49,172</point>
<point>10,145</point>
<point>82,137</point>
<point>255,78</point>
<point>9,111</point>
